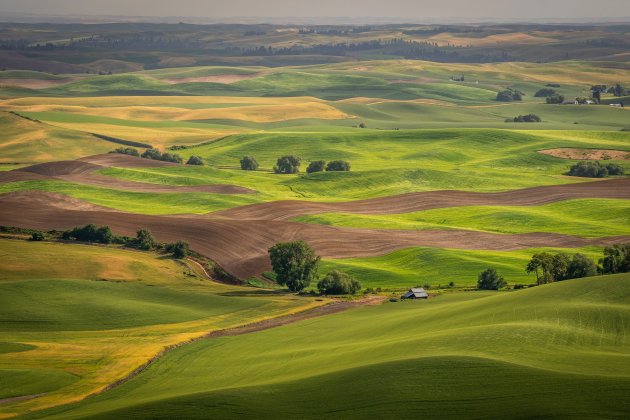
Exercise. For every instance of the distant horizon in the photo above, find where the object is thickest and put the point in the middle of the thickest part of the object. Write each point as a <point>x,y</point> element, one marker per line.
<point>28,17</point>
<point>322,11</point>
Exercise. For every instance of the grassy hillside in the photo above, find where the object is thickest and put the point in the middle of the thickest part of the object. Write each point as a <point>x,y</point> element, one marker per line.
<point>411,267</point>
<point>587,218</point>
<point>31,142</point>
<point>76,318</point>
<point>558,350</point>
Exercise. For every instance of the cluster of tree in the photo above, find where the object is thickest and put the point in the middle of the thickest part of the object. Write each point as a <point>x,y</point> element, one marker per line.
<point>525,118</point>
<point>126,151</point>
<point>295,265</point>
<point>338,283</point>
<point>332,166</point>
<point>249,163</point>
<point>560,266</point>
<point>616,259</point>
<point>155,154</point>
<point>195,160</point>
<point>144,240</point>
<point>510,95</point>
<point>287,165</point>
<point>555,99</point>
<point>616,90</point>
<point>490,279</point>
<point>595,169</point>
<point>545,92</point>
<point>91,233</point>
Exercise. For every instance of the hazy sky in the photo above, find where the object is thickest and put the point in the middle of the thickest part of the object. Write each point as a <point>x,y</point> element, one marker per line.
<point>406,9</point>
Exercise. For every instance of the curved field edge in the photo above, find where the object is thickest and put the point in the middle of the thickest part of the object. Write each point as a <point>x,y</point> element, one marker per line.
<point>77,318</point>
<point>486,352</point>
<point>581,217</point>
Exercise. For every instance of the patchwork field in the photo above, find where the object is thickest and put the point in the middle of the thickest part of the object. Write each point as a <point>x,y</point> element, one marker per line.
<point>440,188</point>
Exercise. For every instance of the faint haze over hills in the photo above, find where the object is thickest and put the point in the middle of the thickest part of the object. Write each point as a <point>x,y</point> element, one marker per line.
<point>322,11</point>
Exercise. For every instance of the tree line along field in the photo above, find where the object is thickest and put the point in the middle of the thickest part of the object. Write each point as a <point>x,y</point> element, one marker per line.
<point>440,188</point>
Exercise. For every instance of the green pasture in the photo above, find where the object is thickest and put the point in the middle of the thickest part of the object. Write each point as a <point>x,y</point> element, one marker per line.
<point>584,217</point>
<point>438,267</point>
<point>558,350</point>
<point>75,318</point>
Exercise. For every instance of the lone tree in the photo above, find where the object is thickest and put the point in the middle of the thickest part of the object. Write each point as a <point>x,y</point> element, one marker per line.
<point>195,160</point>
<point>179,249</point>
<point>248,163</point>
<point>338,165</point>
<point>287,165</point>
<point>316,166</point>
<point>294,263</point>
<point>490,280</point>
<point>338,283</point>
<point>144,240</point>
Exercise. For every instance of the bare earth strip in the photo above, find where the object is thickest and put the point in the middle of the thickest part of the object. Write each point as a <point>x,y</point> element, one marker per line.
<point>81,172</point>
<point>587,154</point>
<point>240,246</point>
<point>406,203</point>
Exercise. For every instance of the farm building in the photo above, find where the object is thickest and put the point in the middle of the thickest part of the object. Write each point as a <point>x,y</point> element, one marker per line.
<point>415,293</point>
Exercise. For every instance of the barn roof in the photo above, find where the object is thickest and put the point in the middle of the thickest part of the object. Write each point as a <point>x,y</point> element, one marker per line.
<point>416,292</point>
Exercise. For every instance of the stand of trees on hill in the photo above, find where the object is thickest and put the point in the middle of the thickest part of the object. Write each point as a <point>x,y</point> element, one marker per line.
<point>616,259</point>
<point>195,160</point>
<point>155,154</point>
<point>595,170</point>
<point>126,151</point>
<point>555,99</point>
<point>545,92</point>
<point>144,240</point>
<point>510,95</point>
<point>550,267</point>
<point>525,118</point>
<point>332,166</point>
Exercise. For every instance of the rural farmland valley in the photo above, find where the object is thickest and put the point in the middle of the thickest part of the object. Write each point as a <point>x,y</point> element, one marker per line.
<point>313,217</point>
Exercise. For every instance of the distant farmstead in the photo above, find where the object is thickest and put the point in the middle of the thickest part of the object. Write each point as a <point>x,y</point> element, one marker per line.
<point>415,293</point>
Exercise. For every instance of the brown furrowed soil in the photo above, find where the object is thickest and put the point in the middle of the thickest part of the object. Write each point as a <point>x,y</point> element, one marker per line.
<point>240,246</point>
<point>587,154</point>
<point>81,172</point>
<point>406,203</point>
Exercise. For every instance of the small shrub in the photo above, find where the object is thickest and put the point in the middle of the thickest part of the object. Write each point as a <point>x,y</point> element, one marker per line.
<point>555,99</point>
<point>126,151</point>
<point>393,300</point>
<point>519,286</point>
<point>37,236</point>
<point>544,93</point>
<point>316,166</point>
<point>249,163</point>
<point>171,157</point>
<point>338,283</point>
<point>595,170</point>
<point>144,240</point>
<point>490,280</point>
<point>153,154</point>
<point>179,249</point>
<point>525,118</point>
<point>195,160</point>
<point>338,166</point>
<point>451,284</point>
